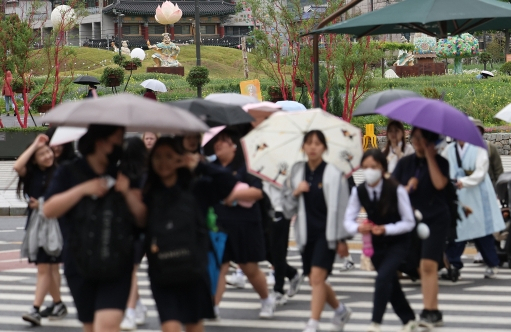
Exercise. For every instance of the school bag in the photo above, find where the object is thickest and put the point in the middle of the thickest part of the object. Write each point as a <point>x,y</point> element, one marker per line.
<point>177,239</point>
<point>102,235</point>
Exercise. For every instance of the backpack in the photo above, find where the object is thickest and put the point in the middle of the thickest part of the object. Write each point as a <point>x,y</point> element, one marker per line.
<point>177,240</point>
<point>101,239</point>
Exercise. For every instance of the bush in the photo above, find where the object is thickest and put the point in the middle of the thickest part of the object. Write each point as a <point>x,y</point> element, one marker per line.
<point>198,77</point>
<point>44,98</point>
<point>431,93</point>
<point>114,71</point>
<point>506,68</point>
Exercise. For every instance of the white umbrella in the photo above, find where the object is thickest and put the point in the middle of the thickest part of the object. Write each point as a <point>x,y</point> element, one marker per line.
<point>65,135</point>
<point>486,72</point>
<point>232,99</point>
<point>504,114</point>
<point>275,145</point>
<point>135,113</point>
<point>154,85</point>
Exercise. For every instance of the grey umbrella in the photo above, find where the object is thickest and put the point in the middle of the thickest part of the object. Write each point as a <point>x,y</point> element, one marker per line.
<point>232,99</point>
<point>132,112</point>
<point>379,99</point>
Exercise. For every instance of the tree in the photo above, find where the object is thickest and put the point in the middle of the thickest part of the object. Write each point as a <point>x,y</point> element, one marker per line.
<point>458,47</point>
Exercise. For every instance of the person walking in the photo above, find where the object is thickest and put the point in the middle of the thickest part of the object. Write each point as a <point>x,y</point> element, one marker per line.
<point>469,168</point>
<point>495,168</point>
<point>8,95</point>
<point>425,175</point>
<point>317,193</point>
<point>245,239</point>
<point>390,221</point>
<point>278,243</point>
<point>150,94</point>
<point>99,300</point>
<point>35,168</point>
<point>181,187</point>
<point>396,147</point>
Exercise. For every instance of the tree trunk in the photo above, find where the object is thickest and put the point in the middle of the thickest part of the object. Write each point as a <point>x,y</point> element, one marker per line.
<point>484,64</point>
<point>458,67</point>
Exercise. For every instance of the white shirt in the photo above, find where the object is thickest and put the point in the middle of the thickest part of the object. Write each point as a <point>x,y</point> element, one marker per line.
<point>393,159</point>
<point>405,225</point>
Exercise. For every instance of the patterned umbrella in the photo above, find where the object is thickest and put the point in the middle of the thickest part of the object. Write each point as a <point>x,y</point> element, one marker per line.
<point>275,145</point>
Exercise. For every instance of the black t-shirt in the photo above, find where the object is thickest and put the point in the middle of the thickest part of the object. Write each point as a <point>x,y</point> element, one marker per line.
<point>37,186</point>
<point>426,198</point>
<point>315,205</point>
<point>238,213</point>
<point>63,180</point>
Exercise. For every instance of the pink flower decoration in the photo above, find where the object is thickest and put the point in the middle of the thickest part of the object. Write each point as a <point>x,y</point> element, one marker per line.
<point>168,13</point>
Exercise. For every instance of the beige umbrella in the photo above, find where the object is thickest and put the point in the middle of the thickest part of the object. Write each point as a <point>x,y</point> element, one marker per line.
<point>132,112</point>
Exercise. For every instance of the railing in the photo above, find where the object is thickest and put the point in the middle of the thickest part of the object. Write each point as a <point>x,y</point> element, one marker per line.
<point>93,10</point>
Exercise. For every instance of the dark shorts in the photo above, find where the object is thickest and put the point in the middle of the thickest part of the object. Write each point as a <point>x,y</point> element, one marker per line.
<point>245,242</point>
<point>44,258</point>
<point>188,304</point>
<point>433,247</point>
<point>139,252</point>
<point>91,296</point>
<point>316,253</point>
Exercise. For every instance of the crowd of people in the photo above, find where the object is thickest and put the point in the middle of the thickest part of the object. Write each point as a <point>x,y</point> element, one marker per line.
<point>156,193</point>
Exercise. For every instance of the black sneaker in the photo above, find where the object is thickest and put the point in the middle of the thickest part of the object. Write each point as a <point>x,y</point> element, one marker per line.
<point>47,311</point>
<point>431,318</point>
<point>33,317</point>
<point>452,274</point>
<point>59,312</point>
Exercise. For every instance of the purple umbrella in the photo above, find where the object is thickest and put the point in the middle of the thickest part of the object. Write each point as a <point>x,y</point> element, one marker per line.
<point>434,115</point>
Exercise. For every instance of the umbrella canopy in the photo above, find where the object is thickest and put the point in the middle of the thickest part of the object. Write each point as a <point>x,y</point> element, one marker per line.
<point>213,113</point>
<point>232,99</point>
<point>437,18</point>
<point>65,135</point>
<point>86,80</point>
<point>154,85</point>
<point>487,73</point>
<point>504,114</point>
<point>436,116</point>
<point>275,145</point>
<point>132,112</point>
<point>291,106</point>
<point>379,99</point>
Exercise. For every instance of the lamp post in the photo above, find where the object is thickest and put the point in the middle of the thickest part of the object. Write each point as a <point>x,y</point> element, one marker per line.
<point>119,28</point>
<point>197,41</point>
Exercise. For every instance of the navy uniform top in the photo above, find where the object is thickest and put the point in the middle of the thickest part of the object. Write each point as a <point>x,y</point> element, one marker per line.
<point>315,204</point>
<point>63,180</point>
<point>238,213</point>
<point>37,186</point>
<point>426,198</point>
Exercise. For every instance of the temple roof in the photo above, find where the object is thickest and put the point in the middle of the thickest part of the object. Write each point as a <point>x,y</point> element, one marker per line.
<point>148,8</point>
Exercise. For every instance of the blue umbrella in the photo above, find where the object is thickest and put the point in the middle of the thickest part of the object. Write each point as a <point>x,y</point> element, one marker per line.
<point>291,106</point>
<point>215,255</point>
<point>436,116</point>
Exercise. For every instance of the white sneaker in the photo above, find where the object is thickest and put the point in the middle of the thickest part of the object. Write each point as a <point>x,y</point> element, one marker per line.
<point>128,323</point>
<point>237,280</point>
<point>491,272</point>
<point>140,313</point>
<point>216,311</point>
<point>411,326</point>
<point>270,279</point>
<point>268,308</point>
<point>348,266</point>
<point>294,284</point>
<point>280,299</point>
<point>340,319</point>
<point>311,328</point>
<point>374,327</point>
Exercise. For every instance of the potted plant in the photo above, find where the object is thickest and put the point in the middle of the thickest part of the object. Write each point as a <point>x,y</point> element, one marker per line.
<point>17,86</point>
<point>112,77</point>
<point>275,92</point>
<point>42,103</point>
<point>299,83</point>
<point>132,64</point>
<point>118,59</point>
<point>198,77</point>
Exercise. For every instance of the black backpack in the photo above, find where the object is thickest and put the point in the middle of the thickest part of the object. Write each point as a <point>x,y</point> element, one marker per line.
<point>177,239</point>
<point>102,237</point>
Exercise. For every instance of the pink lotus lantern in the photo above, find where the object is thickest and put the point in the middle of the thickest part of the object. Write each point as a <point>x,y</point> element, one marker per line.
<point>168,13</point>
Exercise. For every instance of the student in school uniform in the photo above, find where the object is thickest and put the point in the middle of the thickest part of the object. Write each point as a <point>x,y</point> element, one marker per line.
<point>390,220</point>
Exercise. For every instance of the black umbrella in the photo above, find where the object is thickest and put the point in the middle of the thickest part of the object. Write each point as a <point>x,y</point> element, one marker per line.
<point>213,113</point>
<point>86,80</point>
<point>379,99</point>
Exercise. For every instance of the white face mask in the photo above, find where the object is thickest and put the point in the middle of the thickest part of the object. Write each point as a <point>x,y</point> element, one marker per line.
<point>372,176</point>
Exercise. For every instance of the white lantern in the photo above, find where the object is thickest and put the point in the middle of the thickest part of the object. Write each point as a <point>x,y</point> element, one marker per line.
<point>63,17</point>
<point>168,13</point>
<point>138,53</point>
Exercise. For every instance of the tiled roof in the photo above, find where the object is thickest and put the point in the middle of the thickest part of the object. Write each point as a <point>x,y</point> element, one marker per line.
<point>148,8</point>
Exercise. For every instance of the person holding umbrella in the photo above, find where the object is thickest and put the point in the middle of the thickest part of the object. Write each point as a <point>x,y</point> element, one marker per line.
<point>317,193</point>
<point>425,175</point>
<point>150,94</point>
<point>91,91</point>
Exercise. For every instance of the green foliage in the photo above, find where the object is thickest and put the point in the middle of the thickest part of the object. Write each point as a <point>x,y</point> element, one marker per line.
<point>431,92</point>
<point>198,76</point>
<point>18,85</point>
<point>485,57</point>
<point>118,59</point>
<point>112,71</point>
<point>24,130</point>
<point>123,61</point>
<point>506,68</point>
<point>44,98</point>
<point>392,46</point>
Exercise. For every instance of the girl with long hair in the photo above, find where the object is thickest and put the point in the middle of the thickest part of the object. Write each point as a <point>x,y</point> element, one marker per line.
<point>390,220</point>
<point>396,147</point>
<point>317,193</point>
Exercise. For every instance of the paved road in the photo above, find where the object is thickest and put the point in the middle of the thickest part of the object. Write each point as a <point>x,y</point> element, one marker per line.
<point>473,304</point>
